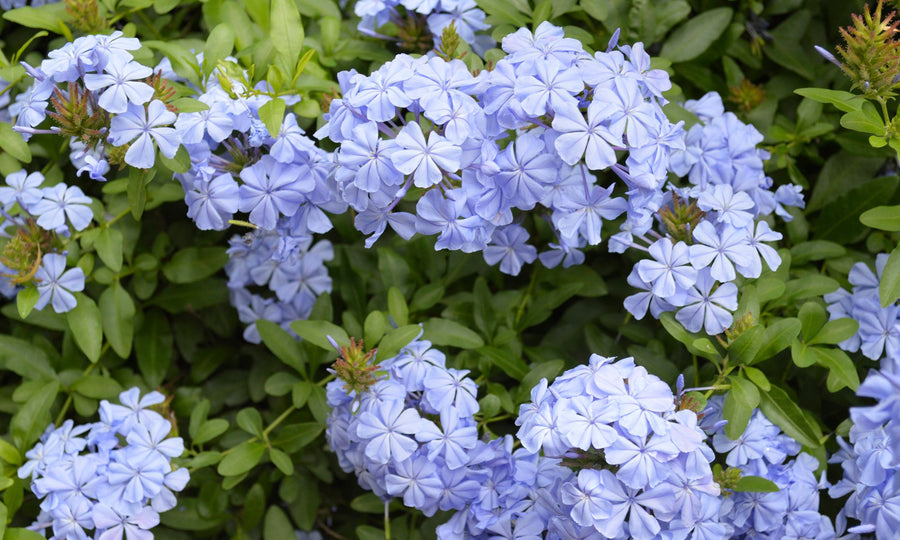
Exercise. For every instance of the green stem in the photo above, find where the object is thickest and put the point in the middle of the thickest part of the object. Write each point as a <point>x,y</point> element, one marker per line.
<point>277,421</point>
<point>326,380</point>
<point>387,522</point>
<point>521,310</point>
<point>68,403</point>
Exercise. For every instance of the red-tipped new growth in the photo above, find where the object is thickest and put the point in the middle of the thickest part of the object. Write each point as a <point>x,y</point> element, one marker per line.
<point>354,368</point>
<point>871,52</point>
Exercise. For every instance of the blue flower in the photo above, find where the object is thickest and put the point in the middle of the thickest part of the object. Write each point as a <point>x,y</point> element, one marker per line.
<point>508,247</point>
<point>707,308</point>
<point>56,284</point>
<point>426,161</point>
<point>122,84</point>
<point>271,189</point>
<point>211,203</point>
<point>60,202</point>
<point>140,126</point>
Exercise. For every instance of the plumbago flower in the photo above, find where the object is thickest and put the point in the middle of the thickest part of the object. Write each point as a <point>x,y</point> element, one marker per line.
<point>420,23</point>
<point>406,428</point>
<point>869,459</point>
<point>114,109</point>
<point>35,221</point>
<point>528,136</point>
<point>702,238</point>
<point>764,451</point>
<point>113,477</point>
<point>878,335</point>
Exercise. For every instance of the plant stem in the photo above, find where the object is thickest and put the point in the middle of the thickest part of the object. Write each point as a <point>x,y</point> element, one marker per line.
<point>387,522</point>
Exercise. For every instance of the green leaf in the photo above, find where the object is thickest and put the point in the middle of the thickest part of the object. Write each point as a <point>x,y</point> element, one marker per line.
<point>26,300</point>
<point>782,411</point>
<point>46,17</point>
<point>779,336</point>
<point>153,347</point>
<point>816,250</point>
<point>180,298</point>
<point>368,532</point>
<point>835,332</point>
<point>286,31</point>
<point>316,332</point>
<point>839,219</point>
<point>757,377</point>
<point>277,526</point>
<point>281,461</point>
<point>741,400</point>
<point>96,387</point>
<point>137,192</point>
<point>744,349</point>
<point>32,418</point>
<point>692,38</point>
<point>397,307</point>
<point>194,263</point>
<point>812,318</point>
<point>503,12</point>
<point>242,458</point>
<point>300,393</point>
<point>280,383</point>
<point>374,327</point>
<point>845,101</point>
<point>885,218</point>
<point>447,332</point>
<point>542,370</point>
<point>505,360</point>
<point>21,534</point>
<point>210,429</point>
<point>117,314</point>
<point>756,484</point>
<point>841,371</point>
<point>807,287</point>
<point>272,115</point>
<point>109,247</point>
<point>189,105</point>
<point>395,340</point>
<point>542,305</point>
<point>24,359</point>
<point>295,437</point>
<point>889,289</point>
<point>427,296</point>
<point>368,503</point>
<point>181,163</point>
<point>677,331</point>
<point>283,345</point>
<point>250,421</point>
<point>866,119</point>
<point>597,9</point>
<point>12,142</point>
<point>219,44</point>
<point>9,454</point>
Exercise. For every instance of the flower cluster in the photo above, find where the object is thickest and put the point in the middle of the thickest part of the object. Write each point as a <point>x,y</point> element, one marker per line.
<point>643,466</point>
<point>283,176</point>
<point>288,265</point>
<point>113,108</point>
<point>879,327</point>
<point>710,233</point>
<point>419,22</point>
<point>870,462</point>
<point>35,219</point>
<point>114,476</point>
<point>764,451</point>
<point>470,151</point>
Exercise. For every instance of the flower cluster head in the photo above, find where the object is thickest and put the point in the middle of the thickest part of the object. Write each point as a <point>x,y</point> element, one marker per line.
<point>112,477</point>
<point>870,459</point>
<point>421,23</point>
<point>34,221</point>
<point>238,166</point>
<point>879,327</point>
<point>473,153</point>
<point>701,238</point>
<point>276,275</point>
<point>764,451</point>
<point>643,467</point>
<point>113,108</point>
